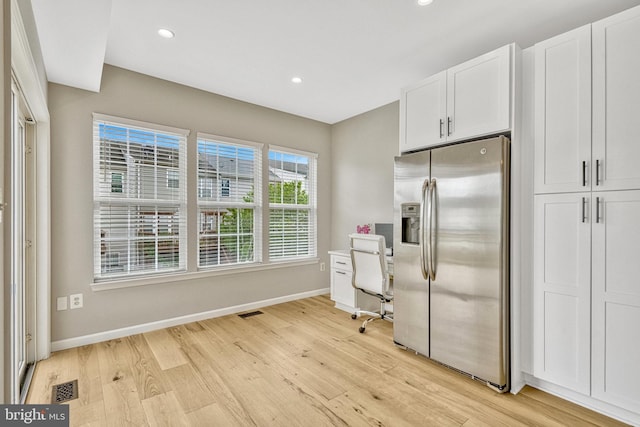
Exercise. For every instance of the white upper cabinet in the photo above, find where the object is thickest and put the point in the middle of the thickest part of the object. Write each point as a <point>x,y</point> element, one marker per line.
<point>478,95</point>
<point>563,112</point>
<point>469,100</point>
<point>616,102</point>
<point>423,113</point>
<point>587,98</point>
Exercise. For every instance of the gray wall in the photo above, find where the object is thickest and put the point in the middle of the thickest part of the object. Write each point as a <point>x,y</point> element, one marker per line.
<point>139,97</point>
<point>362,154</point>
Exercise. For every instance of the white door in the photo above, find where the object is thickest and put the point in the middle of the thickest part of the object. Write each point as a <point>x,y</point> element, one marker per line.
<point>616,299</point>
<point>563,112</point>
<point>616,102</point>
<point>22,293</point>
<point>562,287</point>
<point>478,95</point>
<point>423,112</point>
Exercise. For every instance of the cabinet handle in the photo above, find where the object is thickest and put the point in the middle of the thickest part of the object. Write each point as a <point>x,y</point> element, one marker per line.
<point>584,211</point>
<point>597,209</point>
<point>597,172</point>
<point>449,122</point>
<point>584,174</point>
<point>340,262</point>
<point>341,272</point>
<point>441,128</point>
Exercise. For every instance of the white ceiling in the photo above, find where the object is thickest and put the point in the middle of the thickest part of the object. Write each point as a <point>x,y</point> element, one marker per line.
<point>354,55</point>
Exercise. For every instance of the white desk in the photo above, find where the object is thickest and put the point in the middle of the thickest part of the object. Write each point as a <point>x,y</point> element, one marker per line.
<point>346,297</point>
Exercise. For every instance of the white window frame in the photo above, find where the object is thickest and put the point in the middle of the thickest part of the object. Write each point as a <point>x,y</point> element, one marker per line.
<point>219,202</point>
<point>104,198</point>
<point>280,253</point>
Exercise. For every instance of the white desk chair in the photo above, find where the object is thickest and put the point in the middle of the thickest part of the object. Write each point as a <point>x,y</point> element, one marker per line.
<point>370,273</point>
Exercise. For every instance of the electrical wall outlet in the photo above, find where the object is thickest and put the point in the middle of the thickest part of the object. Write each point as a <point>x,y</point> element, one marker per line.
<point>76,301</point>
<point>61,303</point>
<point>322,266</point>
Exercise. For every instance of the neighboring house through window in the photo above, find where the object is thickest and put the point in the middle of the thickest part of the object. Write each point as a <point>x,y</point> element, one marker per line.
<point>230,220</point>
<point>140,201</point>
<point>139,197</point>
<point>292,204</point>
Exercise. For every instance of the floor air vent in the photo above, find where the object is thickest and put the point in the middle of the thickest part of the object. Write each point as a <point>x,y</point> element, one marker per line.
<point>251,313</point>
<point>65,392</point>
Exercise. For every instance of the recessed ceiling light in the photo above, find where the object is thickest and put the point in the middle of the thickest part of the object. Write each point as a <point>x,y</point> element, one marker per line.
<point>167,34</point>
<point>424,2</point>
<point>296,80</point>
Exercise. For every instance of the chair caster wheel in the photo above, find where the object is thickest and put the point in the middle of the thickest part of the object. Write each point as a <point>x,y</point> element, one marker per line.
<point>361,329</point>
<point>354,316</point>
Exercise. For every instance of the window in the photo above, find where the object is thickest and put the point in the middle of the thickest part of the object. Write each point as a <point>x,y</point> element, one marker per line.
<point>173,178</point>
<point>229,219</point>
<point>139,197</point>
<point>292,204</point>
<point>224,188</point>
<point>116,182</point>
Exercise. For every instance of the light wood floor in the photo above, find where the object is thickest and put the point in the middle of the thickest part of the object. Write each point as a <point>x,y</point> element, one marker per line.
<point>301,363</point>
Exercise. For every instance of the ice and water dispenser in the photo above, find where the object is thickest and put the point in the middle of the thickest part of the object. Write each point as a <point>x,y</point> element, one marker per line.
<point>410,223</point>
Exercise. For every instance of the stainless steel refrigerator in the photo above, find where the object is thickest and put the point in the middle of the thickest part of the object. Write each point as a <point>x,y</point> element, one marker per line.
<point>451,257</point>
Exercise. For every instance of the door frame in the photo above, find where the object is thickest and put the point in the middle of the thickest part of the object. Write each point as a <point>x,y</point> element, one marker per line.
<point>25,72</point>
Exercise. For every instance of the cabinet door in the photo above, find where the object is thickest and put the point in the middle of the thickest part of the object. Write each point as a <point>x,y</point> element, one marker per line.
<point>342,291</point>
<point>423,113</point>
<point>562,289</point>
<point>616,101</point>
<point>616,299</point>
<point>563,112</point>
<point>479,95</point>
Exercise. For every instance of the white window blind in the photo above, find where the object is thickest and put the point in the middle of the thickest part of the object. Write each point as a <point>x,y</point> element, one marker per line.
<point>292,204</point>
<point>139,198</point>
<point>229,201</point>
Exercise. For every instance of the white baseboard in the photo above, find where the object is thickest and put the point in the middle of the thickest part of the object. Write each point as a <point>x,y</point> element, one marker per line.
<point>586,401</point>
<point>167,323</point>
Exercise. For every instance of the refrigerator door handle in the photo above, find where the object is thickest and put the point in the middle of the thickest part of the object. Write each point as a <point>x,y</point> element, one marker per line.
<point>431,232</point>
<point>423,228</point>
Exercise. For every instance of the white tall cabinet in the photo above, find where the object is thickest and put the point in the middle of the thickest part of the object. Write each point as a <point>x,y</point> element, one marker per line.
<point>468,100</point>
<point>586,296</point>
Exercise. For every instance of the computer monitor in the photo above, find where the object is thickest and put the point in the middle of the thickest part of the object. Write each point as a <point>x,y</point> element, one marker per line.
<point>386,230</point>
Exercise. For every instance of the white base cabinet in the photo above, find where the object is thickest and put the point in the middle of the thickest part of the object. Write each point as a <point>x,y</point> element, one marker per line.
<point>587,294</point>
<point>616,298</point>
<point>562,290</point>
<point>346,297</point>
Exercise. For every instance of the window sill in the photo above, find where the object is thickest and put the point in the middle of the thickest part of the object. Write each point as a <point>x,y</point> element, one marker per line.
<point>203,273</point>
